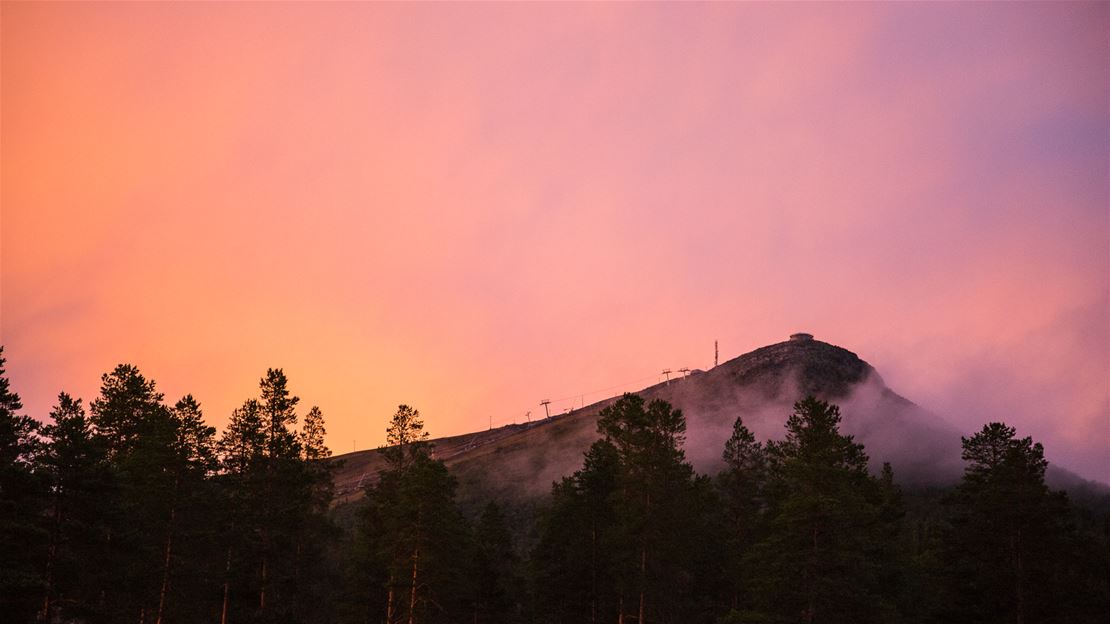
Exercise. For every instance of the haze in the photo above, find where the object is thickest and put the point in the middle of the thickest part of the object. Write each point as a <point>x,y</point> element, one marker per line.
<point>470,208</point>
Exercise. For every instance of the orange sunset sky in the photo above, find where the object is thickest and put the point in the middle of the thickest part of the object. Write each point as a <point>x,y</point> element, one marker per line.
<point>470,208</point>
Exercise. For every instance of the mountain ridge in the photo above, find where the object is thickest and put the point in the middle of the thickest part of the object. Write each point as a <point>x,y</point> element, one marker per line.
<point>520,461</point>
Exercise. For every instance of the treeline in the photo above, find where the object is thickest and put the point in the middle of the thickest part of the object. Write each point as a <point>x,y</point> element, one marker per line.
<point>798,530</point>
<point>135,511</point>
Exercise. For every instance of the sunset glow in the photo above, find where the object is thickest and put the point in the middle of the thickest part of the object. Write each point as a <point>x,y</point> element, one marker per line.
<point>472,207</point>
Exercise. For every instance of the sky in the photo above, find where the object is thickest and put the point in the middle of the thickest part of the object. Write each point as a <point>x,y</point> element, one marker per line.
<point>470,208</point>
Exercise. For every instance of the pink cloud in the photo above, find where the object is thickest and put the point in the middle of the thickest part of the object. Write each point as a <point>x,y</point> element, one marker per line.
<point>470,208</point>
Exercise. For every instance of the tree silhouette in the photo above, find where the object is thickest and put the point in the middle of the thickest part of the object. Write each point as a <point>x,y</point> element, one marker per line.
<point>312,436</point>
<point>742,484</point>
<point>820,555</point>
<point>1008,537</point>
<point>420,536</point>
<point>22,535</point>
<point>73,463</point>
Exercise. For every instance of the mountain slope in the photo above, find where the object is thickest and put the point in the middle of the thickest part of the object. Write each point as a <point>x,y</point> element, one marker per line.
<point>521,461</point>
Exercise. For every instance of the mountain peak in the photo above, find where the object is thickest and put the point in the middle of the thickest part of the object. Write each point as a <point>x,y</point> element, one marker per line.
<point>814,367</point>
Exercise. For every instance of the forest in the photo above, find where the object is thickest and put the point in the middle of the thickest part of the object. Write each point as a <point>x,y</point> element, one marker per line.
<point>131,509</point>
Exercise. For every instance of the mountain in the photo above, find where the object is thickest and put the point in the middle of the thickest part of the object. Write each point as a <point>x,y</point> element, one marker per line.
<point>521,461</point>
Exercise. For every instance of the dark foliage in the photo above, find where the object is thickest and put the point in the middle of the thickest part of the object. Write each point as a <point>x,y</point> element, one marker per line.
<point>22,493</point>
<point>1010,549</point>
<point>633,535</point>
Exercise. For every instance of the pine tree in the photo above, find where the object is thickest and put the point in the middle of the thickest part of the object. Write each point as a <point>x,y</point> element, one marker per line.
<point>243,442</point>
<point>242,449</point>
<point>318,475</point>
<point>635,534</point>
<point>819,554</point>
<point>312,436</point>
<point>74,464</point>
<point>22,492</point>
<point>741,484</point>
<point>193,459</point>
<point>418,533</point>
<point>129,408</point>
<point>139,433</point>
<point>281,497</point>
<point>1008,539</point>
<point>277,497</point>
<point>647,442</point>
<point>405,437</point>
<point>663,520</point>
<point>499,586</point>
<point>575,560</point>
<point>279,415</point>
<point>314,576</point>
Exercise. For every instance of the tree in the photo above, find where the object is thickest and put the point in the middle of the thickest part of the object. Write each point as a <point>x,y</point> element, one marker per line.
<point>195,442</point>
<point>318,473</point>
<point>22,535</point>
<point>742,483</point>
<point>244,441</point>
<point>312,436</point>
<point>1007,544</point>
<point>277,492</point>
<point>242,448</point>
<point>819,557</point>
<point>159,462</point>
<point>313,575</point>
<point>74,465</point>
<point>499,583</point>
<point>575,561</point>
<point>140,437</point>
<point>405,437</point>
<point>129,408</point>
<point>647,444</point>
<point>192,460</point>
<point>282,495</point>
<point>279,414</point>
<point>665,528</point>
<point>415,530</point>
